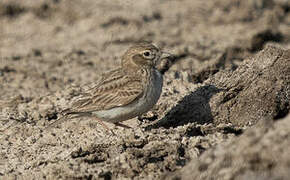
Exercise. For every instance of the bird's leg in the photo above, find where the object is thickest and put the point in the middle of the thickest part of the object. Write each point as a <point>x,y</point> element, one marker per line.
<point>104,125</point>
<point>122,125</point>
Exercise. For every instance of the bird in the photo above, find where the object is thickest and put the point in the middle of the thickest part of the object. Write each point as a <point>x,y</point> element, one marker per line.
<point>123,93</point>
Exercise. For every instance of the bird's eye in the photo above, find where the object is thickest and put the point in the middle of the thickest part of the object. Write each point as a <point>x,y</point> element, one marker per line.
<point>146,53</point>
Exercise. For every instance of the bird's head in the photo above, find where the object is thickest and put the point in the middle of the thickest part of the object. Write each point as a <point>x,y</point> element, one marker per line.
<point>143,55</point>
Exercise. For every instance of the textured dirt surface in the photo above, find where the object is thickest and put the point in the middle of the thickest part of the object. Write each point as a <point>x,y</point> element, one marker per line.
<point>222,113</point>
<point>260,153</point>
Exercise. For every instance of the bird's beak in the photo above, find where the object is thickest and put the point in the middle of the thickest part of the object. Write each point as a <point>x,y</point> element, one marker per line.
<point>165,62</point>
<point>166,55</point>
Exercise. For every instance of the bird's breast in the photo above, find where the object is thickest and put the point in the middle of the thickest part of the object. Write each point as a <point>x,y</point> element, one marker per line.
<point>152,91</point>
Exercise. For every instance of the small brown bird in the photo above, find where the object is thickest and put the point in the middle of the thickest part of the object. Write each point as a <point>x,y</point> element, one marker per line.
<point>126,92</point>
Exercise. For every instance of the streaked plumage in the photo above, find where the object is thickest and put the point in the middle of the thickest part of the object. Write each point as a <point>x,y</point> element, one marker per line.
<point>126,92</point>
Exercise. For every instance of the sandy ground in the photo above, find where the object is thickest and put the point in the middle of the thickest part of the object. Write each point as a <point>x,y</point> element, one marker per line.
<point>222,113</point>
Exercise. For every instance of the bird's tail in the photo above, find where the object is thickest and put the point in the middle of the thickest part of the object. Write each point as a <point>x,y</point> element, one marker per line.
<point>65,115</point>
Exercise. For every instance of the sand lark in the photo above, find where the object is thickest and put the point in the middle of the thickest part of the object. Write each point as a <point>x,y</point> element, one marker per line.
<point>123,93</point>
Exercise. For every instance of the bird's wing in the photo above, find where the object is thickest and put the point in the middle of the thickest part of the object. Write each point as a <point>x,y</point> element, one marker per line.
<point>113,90</point>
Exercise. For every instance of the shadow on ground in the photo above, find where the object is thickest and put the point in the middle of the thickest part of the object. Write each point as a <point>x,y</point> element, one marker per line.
<point>192,108</point>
